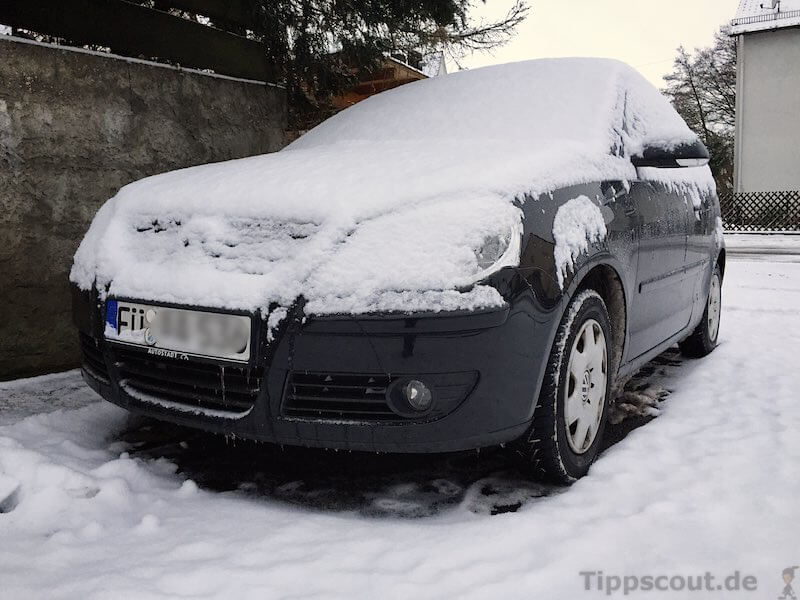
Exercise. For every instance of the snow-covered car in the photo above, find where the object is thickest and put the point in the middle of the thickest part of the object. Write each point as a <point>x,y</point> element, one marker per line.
<point>472,260</point>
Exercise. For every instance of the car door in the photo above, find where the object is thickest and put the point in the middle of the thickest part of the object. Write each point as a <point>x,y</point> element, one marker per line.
<point>700,249</point>
<point>662,299</point>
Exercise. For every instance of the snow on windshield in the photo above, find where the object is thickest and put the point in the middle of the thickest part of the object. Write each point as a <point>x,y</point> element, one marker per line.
<point>383,207</point>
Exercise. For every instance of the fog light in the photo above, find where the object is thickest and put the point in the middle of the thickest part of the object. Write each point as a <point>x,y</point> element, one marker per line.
<point>418,395</point>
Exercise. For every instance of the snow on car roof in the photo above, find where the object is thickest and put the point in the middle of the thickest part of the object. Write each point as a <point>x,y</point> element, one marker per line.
<point>378,208</point>
<point>758,15</point>
<point>547,100</point>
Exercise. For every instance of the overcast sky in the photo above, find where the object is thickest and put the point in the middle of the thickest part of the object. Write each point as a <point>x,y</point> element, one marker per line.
<point>643,33</point>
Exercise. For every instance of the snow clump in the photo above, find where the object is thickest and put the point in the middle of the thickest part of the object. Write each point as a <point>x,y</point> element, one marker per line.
<point>578,224</point>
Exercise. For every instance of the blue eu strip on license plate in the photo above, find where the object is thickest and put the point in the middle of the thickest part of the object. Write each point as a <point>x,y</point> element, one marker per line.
<point>111,313</point>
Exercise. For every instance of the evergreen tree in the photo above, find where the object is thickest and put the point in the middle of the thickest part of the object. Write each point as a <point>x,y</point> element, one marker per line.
<point>319,47</point>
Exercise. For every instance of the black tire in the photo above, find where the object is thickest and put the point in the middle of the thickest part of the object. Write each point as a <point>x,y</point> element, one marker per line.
<point>704,338</point>
<point>546,449</point>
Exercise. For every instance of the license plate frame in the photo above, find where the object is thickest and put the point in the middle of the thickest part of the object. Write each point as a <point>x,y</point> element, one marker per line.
<point>137,318</point>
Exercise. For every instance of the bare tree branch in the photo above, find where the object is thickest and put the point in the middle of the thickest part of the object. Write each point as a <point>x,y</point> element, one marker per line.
<point>702,87</point>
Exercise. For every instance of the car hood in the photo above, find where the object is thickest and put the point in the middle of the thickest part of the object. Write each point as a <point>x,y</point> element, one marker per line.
<point>348,232</point>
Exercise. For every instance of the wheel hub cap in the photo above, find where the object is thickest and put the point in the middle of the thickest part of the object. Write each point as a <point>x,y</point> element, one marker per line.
<point>585,393</point>
<point>714,308</point>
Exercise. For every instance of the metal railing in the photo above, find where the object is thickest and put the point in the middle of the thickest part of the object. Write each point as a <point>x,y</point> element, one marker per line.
<point>761,211</point>
<point>766,18</point>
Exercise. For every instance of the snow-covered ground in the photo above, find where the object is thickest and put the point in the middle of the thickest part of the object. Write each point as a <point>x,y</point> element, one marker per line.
<point>97,505</point>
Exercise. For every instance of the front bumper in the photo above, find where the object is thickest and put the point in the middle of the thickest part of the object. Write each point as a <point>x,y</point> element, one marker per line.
<point>488,366</point>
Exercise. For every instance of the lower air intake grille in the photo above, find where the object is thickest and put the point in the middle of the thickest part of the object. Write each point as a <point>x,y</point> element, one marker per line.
<point>189,385</point>
<point>338,397</point>
<point>92,358</point>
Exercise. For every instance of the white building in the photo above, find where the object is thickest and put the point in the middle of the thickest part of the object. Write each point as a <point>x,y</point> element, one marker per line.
<point>768,96</point>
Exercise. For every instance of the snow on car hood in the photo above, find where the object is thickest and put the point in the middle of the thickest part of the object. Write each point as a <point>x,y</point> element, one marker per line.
<point>381,207</point>
<point>245,234</point>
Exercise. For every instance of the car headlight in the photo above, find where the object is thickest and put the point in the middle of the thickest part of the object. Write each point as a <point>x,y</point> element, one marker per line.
<point>498,251</point>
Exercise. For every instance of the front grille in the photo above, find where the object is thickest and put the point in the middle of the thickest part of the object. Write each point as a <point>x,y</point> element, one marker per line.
<point>92,358</point>
<point>190,385</point>
<point>338,397</point>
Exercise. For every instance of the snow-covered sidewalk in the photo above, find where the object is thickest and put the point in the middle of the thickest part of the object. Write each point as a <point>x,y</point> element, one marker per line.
<point>764,246</point>
<point>100,506</point>
<point>26,397</point>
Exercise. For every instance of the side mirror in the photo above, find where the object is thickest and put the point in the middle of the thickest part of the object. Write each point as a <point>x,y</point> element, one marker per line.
<point>685,155</point>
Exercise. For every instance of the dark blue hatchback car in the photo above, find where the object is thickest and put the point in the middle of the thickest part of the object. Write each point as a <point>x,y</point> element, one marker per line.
<point>473,260</point>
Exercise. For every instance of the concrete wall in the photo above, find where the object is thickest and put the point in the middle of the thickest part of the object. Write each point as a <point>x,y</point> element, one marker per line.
<point>768,111</point>
<point>74,127</point>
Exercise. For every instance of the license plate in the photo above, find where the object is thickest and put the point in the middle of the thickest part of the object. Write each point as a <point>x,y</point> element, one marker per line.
<point>177,332</point>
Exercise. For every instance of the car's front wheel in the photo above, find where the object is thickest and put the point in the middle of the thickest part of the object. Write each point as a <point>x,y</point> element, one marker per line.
<point>572,411</point>
<point>704,338</point>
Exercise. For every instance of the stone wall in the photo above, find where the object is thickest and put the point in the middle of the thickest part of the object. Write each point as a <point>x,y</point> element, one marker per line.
<point>74,127</point>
